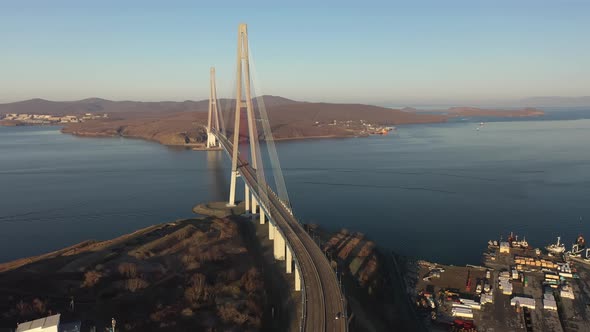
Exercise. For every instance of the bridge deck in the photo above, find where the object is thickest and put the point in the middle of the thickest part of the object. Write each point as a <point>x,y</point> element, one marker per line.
<point>323,299</point>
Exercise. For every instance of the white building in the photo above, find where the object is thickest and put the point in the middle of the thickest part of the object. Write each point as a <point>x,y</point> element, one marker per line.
<point>486,298</point>
<point>523,302</point>
<point>504,247</point>
<point>566,292</point>
<point>549,304</point>
<point>46,324</point>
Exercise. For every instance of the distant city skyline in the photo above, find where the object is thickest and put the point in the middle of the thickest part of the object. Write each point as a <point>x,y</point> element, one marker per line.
<point>386,53</point>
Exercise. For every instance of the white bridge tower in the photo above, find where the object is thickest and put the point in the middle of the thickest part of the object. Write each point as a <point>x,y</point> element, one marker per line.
<point>243,100</point>
<point>213,119</point>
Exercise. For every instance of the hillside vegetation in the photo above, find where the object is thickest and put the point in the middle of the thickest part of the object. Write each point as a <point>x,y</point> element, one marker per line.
<point>187,275</point>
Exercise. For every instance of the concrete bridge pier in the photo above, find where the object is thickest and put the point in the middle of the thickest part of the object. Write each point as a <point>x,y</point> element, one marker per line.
<point>289,260</point>
<point>271,231</point>
<point>279,245</point>
<point>262,217</point>
<point>297,278</point>
<point>247,198</point>
<point>254,204</point>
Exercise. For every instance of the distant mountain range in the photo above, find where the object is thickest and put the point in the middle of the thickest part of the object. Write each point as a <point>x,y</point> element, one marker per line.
<point>179,123</point>
<point>98,105</point>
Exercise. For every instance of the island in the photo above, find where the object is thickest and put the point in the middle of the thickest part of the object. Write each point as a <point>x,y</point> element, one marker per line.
<point>183,123</point>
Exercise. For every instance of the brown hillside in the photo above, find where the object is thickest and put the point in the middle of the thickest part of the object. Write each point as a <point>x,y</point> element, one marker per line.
<point>188,275</point>
<point>181,123</point>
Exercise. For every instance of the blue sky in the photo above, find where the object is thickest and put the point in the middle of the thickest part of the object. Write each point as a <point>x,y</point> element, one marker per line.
<point>391,52</point>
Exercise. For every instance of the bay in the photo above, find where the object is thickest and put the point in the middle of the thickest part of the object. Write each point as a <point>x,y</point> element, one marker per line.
<point>437,191</point>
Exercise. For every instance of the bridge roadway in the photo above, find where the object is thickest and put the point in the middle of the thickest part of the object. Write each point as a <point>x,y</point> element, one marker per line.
<point>321,288</point>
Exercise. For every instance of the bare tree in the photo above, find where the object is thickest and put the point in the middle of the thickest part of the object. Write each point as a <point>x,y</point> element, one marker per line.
<point>251,280</point>
<point>135,284</point>
<point>128,270</point>
<point>197,290</point>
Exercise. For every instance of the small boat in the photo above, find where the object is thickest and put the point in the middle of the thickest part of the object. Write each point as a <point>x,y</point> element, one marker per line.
<point>556,248</point>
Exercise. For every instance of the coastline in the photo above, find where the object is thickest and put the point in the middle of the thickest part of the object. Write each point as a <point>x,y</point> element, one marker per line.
<point>171,139</point>
<point>185,127</point>
<point>198,146</point>
<point>201,146</point>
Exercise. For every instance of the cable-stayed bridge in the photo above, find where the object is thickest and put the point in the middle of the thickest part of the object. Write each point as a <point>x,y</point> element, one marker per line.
<point>323,307</point>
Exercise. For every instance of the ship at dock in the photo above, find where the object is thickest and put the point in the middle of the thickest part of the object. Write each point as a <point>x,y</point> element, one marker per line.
<point>511,242</point>
<point>514,243</point>
<point>557,248</point>
<point>578,248</point>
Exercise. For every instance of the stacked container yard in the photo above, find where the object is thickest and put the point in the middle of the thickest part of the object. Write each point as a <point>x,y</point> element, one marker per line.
<point>522,261</point>
<point>471,304</point>
<point>551,279</point>
<point>461,311</point>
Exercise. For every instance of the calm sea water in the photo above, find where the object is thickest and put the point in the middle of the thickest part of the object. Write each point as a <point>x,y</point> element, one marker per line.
<point>437,192</point>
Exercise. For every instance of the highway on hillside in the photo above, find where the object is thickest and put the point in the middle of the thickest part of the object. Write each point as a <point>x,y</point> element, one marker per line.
<point>322,295</point>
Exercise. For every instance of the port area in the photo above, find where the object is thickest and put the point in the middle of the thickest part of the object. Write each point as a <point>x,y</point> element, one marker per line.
<point>518,289</point>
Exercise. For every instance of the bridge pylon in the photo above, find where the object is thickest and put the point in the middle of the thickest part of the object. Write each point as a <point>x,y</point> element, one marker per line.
<point>243,100</point>
<point>213,121</point>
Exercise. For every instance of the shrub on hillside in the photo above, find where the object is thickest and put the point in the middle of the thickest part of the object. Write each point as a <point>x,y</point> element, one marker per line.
<point>39,306</point>
<point>135,284</point>
<point>230,314</point>
<point>128,270</point>
<point>190,261</point>
<point>197,290</point>
<point>91,278</point>
<point>251,280</point>
<point>24,309</point>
